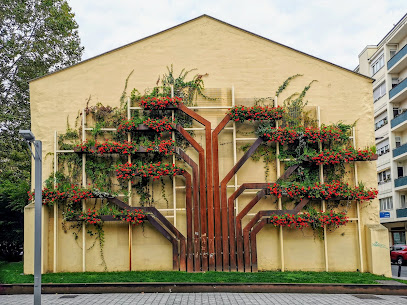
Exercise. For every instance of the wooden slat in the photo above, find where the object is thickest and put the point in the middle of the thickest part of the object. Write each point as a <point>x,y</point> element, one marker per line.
<point>224,203</point>
<point>216,195</point>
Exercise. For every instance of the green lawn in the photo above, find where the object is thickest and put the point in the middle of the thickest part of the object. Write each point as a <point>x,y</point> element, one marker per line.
<point>12,273</point>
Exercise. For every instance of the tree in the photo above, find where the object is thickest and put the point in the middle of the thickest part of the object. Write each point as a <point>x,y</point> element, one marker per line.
<point>36,37</point>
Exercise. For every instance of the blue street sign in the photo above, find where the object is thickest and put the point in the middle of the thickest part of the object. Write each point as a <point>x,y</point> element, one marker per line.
<point>384,214</point>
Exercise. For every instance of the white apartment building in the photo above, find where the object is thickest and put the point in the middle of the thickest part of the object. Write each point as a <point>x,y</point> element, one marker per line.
<point>386,63</point>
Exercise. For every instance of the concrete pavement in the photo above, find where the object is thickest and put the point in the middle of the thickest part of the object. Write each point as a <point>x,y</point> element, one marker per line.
<point>207,298</point>
<point>212,298</point>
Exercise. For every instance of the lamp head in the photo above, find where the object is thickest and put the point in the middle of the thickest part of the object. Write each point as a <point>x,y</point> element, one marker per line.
<point>27,135</point>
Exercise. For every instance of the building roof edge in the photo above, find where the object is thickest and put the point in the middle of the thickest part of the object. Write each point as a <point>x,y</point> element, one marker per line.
<point>191,20</point>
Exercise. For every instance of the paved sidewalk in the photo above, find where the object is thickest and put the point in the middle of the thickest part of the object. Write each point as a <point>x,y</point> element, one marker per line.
<point>206,298</point>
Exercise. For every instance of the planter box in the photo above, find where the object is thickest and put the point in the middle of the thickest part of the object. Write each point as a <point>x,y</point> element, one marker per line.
<point>106,218</point>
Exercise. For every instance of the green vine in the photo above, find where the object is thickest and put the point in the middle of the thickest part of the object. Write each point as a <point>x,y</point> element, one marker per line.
<point>265,151</point>
<point>143,190</point>
<point>163,194</point>
<point>99,170</point>
<point>99,236</point>
<point>97,129</point>
<point>286,83</point>
<point>294,108</point>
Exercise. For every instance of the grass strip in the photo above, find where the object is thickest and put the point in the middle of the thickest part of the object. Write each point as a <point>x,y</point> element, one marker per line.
<point>12,273</point>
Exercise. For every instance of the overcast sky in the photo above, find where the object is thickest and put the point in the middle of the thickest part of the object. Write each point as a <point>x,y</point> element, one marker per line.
<point>333,30</point>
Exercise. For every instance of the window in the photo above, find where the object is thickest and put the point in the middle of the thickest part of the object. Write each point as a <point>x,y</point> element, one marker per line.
<point>383,150</point>
<point>392,52</point>
<point>402,201</point>
<point>399,237</point>
<point>394,82</point>
<point>398,111</point>
<point>384,177</point>
<point>398,141</point>
<point>386,204</point>
<point>379,91</point>
<point>400,171</point>
<point>380,123</point>
<point>377,64</point>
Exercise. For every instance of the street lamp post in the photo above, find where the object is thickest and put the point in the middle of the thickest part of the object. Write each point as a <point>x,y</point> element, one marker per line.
<point>29,137</point>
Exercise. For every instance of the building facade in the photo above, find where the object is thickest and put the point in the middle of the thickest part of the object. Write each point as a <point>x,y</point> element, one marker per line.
<point>240,66</point>
<point>387,64</point>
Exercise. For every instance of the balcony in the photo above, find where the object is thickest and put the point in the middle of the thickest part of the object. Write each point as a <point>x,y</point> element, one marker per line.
<point>400,153</point>
<point>398,62</point>
<point>399,92</point>
<point>383,162</point>
<point>399,123</point>
<point>400,183</point>
<point>384,187</point>
<point>380,104</point>
<point>401,213</point>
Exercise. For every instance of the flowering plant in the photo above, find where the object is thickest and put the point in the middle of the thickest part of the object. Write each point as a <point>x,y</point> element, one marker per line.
<point>325,134</point>
<point>74,194</point>
<point>95,217</point>
<point>315,220</point>
<point>285,135</point>
<point>135,217</point>
<point>255,113</point>
<point>282,135</point>
<point>348,154</point>
<point>129,125</point>
<point>165,147</point>
<point>127,148</point>
<point>70,214</point>
<point>78,194</point>
<point>155,170</point>
<point>327,191</point>
<point>112,147</point>
<point>49,197</point>
<point>99,110</point>
<point>90,217</point>
<point>157,103</point>
<point>158,125</point>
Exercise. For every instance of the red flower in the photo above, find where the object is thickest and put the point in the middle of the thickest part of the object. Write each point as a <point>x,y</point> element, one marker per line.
<point>157,103</point>
<point>153,170</point>
<point>255,113</point>
<point>326,191</point>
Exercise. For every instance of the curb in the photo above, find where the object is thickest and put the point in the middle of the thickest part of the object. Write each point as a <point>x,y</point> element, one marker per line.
<point>97,288</point>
